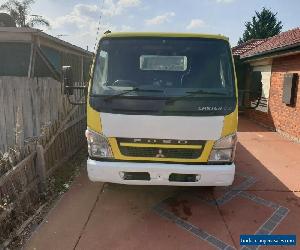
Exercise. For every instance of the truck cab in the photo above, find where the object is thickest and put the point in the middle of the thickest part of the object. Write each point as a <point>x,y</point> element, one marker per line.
<point>162,110</point>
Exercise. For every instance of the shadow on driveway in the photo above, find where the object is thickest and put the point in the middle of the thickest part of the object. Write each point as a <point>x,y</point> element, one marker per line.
<point>264,199</point>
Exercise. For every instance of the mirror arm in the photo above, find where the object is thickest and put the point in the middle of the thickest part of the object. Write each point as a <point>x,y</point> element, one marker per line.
<point>76,103</point>
<point>78,87</point>
<point>75,87</point>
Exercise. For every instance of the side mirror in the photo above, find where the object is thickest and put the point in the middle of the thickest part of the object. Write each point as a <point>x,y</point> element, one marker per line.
<point>67,77</point>
<point>255,86</point>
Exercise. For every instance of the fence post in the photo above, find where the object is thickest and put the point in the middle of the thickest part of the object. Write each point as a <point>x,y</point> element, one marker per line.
<point>41,167</point>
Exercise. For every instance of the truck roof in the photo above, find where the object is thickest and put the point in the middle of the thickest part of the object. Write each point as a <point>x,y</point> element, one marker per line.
<point>163,34</point>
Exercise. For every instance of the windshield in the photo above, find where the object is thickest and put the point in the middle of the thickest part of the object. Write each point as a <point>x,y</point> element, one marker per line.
<point>175,66</point>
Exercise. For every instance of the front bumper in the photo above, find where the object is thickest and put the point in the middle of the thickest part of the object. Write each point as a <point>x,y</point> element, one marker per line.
<point>209,175</point>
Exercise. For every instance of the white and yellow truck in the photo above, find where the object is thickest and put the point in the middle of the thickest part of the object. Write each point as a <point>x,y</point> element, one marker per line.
<point>162,109</point>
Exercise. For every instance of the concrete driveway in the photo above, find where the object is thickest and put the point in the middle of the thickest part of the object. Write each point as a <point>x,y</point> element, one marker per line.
<point>264,199</point>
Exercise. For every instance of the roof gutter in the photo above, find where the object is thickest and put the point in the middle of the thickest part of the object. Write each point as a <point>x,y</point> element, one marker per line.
<point>64,43</point>
<point>40,33</point>
<point>290,49</point>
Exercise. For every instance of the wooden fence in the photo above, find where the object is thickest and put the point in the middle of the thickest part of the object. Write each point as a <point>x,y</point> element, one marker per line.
<point>23,185</point>
<point>24,172</point>
<point>27,106</point>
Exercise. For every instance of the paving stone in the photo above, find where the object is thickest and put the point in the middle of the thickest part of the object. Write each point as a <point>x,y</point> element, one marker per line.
<point>230,248</point>
<point>199,232</point>
<point>262,231</point>
<point>276,218</point>
<point>269,225</point>
<point>261,201</point>
<point>216,242</point>
<point>250,248</point>
<point>274,205</point>
<point>247,195</point>
<point>169,216</point>
<point>183,224</point>
<point>282,210</point>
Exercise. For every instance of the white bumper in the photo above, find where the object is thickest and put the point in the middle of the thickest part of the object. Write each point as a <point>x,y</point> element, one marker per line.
<point>209,175</point>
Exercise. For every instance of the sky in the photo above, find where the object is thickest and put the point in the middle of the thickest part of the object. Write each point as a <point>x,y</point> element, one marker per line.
<point>78,21</point>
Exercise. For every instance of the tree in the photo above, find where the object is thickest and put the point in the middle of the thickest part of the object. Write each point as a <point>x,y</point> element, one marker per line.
<point>263,25</point>
<point>19,11</point>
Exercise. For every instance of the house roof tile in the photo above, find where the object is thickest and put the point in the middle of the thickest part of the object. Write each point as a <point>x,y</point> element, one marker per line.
<point>280,41</point>
<point>245,47</point>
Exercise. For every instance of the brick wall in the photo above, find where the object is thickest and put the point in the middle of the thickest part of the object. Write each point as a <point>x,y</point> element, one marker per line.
<point>280,116</point>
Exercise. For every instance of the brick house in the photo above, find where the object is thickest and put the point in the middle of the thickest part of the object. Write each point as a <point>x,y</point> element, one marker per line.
<point>278,60</point>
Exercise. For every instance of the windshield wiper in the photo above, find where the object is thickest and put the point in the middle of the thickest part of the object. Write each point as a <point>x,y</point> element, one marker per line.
<point>192,93</point>
<point>136,89</point>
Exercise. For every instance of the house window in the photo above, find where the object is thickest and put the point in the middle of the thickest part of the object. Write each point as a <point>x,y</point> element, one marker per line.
<point>14,59</point>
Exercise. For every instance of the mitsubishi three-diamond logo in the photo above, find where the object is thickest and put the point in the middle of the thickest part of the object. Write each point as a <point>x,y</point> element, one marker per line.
<point>160,154</point>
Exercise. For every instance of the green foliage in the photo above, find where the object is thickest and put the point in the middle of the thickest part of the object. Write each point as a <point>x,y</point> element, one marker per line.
<point>19,11</point>
<point>263,25</point>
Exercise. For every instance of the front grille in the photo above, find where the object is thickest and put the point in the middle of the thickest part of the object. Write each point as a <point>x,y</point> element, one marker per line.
<point>161,152</point>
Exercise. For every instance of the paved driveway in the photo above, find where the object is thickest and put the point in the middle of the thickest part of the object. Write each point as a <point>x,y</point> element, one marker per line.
<point>264,199</point>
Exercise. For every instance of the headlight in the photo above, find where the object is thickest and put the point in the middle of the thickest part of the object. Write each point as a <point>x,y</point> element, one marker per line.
<point>224,149</point>
<point>98,145</point>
